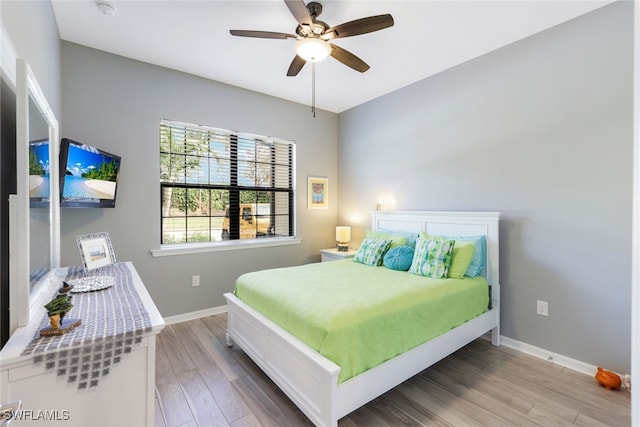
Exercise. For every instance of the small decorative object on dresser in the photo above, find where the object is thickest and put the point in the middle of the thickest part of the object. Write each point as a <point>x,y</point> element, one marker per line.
<point>57,309</point>
<point>607,379</point>
<point>334,254</point>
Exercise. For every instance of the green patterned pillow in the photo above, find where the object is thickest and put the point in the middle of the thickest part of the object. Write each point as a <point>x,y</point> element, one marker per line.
<point>396,239</point>
<point>432,258</point>
<point>372,251</point>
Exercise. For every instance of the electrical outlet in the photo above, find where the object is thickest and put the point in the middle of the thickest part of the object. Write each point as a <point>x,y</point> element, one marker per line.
<point>195,281</point>
<point>542,308</point>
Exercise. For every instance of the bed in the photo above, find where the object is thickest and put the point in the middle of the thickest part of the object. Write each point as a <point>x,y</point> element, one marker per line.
<point>314,382</point>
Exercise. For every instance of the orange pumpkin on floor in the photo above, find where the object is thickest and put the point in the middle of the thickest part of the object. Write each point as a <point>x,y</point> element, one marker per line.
<point>607,379</point>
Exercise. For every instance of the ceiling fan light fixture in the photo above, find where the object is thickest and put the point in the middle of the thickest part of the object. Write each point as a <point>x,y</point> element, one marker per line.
<point>312,49</point>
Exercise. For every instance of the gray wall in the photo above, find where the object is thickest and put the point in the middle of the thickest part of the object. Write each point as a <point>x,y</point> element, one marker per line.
<point>540,131</point>
<point>33,30</point>
<point>116,104</point>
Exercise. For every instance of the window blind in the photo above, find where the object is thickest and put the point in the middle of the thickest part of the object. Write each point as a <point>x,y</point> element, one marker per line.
<point>221,185</point>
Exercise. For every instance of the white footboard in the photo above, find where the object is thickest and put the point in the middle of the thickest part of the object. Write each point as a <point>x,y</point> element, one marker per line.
<point>311,380</point>
<point>303,374</point>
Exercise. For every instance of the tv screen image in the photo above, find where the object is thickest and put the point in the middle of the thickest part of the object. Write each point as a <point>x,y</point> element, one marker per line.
<point>39,173</point>
<point>89,176</point>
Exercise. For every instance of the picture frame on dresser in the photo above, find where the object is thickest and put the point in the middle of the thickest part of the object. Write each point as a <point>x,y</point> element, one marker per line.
<point>96,251</point>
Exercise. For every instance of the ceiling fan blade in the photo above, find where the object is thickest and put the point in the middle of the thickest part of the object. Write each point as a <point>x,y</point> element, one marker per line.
<point>348,59</point>
<point>262,34</point>
<point>359,26</point>
<point>299,11</point>
<point>296,66</point>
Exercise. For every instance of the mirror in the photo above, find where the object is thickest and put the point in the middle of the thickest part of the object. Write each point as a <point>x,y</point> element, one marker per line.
<point>36,207</point>
<point>39,196</point>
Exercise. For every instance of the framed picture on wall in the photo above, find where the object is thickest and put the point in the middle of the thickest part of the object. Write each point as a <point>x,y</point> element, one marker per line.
<point>96,251</point>
<point>317,192</point>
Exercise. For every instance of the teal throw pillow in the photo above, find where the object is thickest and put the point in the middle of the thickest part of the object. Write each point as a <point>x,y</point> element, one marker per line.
<point>477,266</point>
<point>371,251</point>
<point>398,258</point>
<point>432,258</point>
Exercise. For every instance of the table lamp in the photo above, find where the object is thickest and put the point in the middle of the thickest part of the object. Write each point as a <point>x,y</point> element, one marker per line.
<point>343,235</point>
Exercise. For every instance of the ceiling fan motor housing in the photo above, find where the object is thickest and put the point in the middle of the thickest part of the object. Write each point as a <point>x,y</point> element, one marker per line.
<point>316,29</point>
<point>315,9</point>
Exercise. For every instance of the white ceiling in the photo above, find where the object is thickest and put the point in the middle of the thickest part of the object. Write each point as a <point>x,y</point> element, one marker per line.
<point>193,36</point>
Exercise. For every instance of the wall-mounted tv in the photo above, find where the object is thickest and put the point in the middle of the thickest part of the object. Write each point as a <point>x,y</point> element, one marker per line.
<point>39,187</point>
<point>88,176</point>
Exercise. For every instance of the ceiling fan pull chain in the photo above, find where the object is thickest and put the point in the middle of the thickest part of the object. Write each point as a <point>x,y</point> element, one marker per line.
<point>313,88</point>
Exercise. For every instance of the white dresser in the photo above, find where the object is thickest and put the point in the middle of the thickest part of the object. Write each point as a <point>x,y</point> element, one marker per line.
<point>102,381</point>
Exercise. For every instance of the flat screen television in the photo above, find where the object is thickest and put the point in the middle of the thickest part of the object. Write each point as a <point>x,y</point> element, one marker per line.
<point>88,176</point>
<point>39,174</point>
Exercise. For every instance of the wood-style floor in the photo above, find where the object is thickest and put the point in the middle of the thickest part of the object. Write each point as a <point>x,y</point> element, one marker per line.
<point>201,382</point>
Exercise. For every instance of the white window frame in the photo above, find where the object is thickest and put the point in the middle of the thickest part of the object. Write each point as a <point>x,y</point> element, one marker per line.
<point>237,243</point>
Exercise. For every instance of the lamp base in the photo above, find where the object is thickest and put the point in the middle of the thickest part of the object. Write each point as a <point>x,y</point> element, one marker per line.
<point>343,247</point>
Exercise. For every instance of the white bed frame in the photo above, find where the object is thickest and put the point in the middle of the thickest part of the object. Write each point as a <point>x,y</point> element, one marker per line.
<point>311,380</point>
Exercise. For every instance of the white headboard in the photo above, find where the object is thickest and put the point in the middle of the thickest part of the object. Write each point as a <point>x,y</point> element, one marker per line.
<point>451,223</point>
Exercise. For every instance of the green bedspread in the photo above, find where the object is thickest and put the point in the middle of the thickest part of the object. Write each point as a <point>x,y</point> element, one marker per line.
<point>360,316</point>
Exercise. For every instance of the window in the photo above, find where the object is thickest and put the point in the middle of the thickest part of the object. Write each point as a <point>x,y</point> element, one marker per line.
<point>219,185</point>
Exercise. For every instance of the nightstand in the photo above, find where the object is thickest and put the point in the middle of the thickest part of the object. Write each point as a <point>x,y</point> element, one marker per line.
<point>333,254</point>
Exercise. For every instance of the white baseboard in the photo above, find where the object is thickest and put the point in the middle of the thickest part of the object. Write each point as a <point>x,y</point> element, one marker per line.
<point>556,358</point>
<point>185,317</point>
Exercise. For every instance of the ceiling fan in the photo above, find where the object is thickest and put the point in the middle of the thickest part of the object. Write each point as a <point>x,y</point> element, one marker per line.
<point>313,36</point>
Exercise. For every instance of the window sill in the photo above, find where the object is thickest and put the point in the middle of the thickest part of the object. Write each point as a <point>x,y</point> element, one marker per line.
<point>196,248</point>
